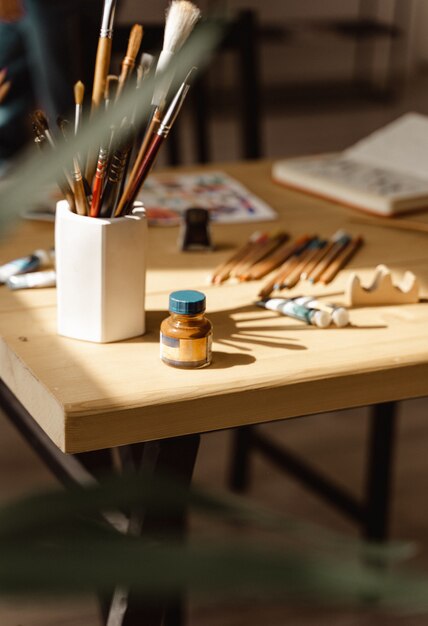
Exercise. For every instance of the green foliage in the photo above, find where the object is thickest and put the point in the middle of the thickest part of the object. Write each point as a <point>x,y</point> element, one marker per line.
<point>60,542</point>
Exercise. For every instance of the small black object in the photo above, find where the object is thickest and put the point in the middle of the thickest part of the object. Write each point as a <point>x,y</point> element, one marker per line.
<point>195,230</point>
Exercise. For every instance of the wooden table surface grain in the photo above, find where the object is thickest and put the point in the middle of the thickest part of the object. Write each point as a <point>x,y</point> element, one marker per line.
<point>265,367</point>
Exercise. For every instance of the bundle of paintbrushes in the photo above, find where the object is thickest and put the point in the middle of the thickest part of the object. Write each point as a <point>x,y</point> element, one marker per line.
<point>306,258</point>
<point>105,183</point>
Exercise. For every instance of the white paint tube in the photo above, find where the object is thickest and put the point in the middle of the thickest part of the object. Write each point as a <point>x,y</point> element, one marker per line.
<point>339,314</point>
<point>286,306</point>
<point>32,280</point>
<point>34,261</point>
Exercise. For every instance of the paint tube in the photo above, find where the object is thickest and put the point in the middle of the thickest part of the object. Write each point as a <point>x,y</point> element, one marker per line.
<point>34,261</point>
<point>322,319</point>
<point>32,280</point>
<point>339,314</point>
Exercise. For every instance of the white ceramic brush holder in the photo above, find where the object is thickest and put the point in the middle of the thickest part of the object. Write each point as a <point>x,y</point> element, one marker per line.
<point>101,270</point>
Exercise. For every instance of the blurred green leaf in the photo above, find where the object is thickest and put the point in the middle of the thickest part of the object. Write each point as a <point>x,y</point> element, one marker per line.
<point>165,495</point>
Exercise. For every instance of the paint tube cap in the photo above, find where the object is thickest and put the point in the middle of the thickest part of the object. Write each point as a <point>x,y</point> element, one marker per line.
<point>187,302</point>
<point>322,319</point>
<point>340,317</point>
<point>45,257</point>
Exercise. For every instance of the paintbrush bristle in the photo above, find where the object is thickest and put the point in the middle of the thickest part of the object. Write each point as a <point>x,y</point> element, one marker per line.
<point>180,19</point>
<point>79,92</point>
<point>146,62</point>
<point>134,42</point>
<point>62,124</point>
<point>111,86</point>
<point>40,119</point>
<point>4,90</point>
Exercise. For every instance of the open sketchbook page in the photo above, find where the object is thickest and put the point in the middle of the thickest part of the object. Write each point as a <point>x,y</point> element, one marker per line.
<point>401,146</point>
<point>385,173</point>
<point>167,197</point>
<point>347,174</point>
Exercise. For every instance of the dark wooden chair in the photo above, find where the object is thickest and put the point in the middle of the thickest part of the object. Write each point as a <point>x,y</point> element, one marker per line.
<point>372,513</point>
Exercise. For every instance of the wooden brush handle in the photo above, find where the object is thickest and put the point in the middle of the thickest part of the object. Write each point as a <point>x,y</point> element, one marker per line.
<point>102,65</point>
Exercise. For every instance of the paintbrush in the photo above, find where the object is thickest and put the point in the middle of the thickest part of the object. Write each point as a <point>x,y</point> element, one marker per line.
<point>117,171</point>
<point>144,67</point>
<point>102,65</point>
<point>99,180</point>
<point>78,186</point>
<point>112,83</point>
<point>180,19</point>
<point>4,85</point>
<point>130,193</point>
<point>142,71</point>
<point>102,61</point>
<point>128,63</point>
<point>42,143</point>
<point>79,93</point>
<point>41,123</point>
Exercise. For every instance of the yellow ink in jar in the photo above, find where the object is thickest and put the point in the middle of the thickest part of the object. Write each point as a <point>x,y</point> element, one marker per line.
<point>186,335</point>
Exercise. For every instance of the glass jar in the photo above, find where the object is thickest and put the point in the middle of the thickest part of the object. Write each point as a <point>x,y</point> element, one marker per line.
<point>186,335</point>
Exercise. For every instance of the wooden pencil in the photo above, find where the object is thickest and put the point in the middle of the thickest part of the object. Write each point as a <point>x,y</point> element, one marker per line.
<point>337,248</point>
<point>303,260</point>
<point>261,251</point>
<point>299,244</point>
<point>222,271</point>
<point>321,254</point>
<point>273,261</point>
<point>341,260</point>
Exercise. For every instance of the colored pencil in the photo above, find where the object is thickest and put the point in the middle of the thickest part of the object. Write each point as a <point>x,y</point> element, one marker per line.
<point>329,258</point>
<point>304,259</point>
<point>222,271</point>
<point>273,261</point>
<point>341,260</point>
<point>299,245</point>
<point>321,254</point>
<point>242,270</point>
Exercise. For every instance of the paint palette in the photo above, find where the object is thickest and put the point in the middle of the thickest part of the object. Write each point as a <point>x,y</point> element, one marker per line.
<point>166,198</point>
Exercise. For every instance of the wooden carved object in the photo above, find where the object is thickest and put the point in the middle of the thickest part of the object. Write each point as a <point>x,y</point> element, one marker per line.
<point>382,290</point>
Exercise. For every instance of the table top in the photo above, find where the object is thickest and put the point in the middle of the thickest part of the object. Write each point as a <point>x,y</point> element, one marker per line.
<point>265,367</point>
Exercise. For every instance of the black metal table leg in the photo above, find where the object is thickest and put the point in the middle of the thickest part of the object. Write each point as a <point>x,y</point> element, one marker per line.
<point>379,471</point>
<point>239,471</point>
<point>175,457</point>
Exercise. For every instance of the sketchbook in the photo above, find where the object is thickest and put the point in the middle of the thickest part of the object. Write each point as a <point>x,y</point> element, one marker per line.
<point>386,173</point>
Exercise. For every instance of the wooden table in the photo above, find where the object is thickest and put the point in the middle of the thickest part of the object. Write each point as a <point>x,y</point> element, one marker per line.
<point>86,397</point>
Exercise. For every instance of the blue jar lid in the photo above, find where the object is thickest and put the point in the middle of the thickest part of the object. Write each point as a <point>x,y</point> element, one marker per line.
<point>187,302</point>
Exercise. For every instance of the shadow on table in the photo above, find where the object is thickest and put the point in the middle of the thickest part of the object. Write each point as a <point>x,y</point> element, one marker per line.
<point>244,328</point>
<point>239,326</point>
